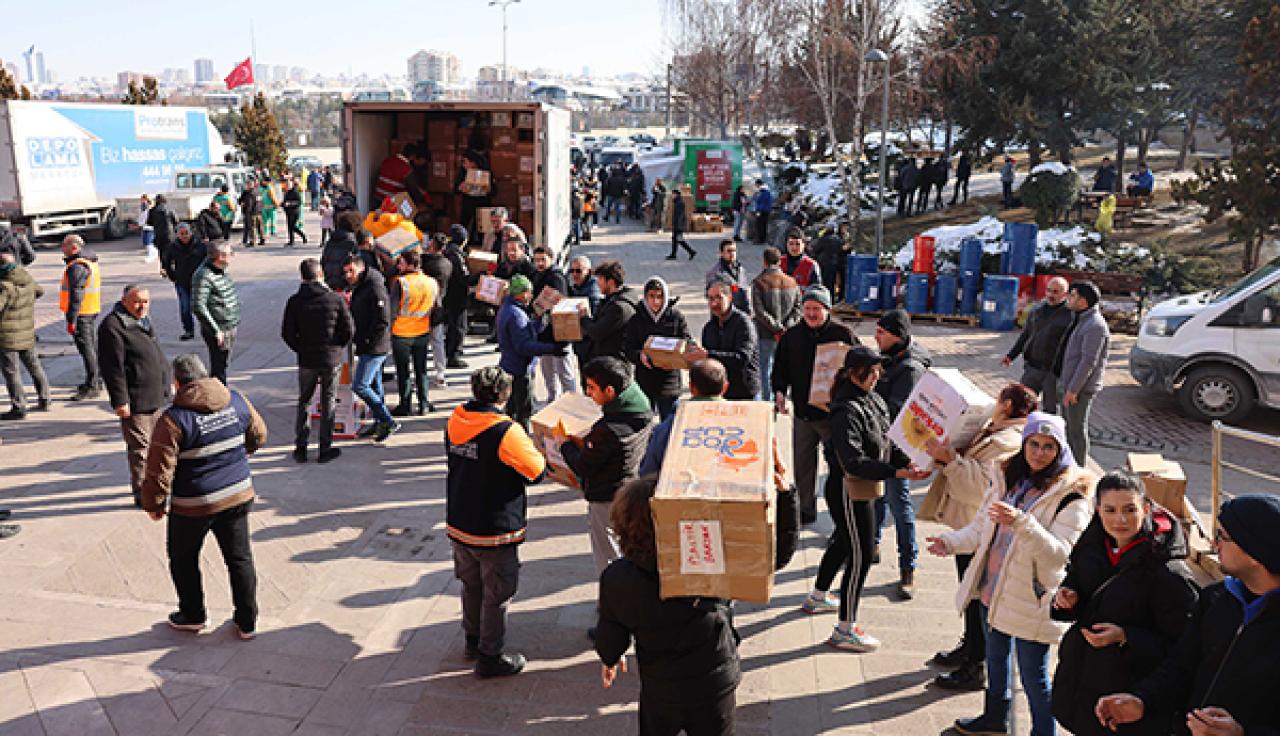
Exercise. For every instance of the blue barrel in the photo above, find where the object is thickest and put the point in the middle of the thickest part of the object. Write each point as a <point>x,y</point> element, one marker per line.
<point>999,303</point>
<point>888,290</point>
<point>970,282</point>
<point>855,266</point>
<point>944,294</point>
<point>917,301</point>
<point>869,291</point>
<point>1020,249</point>
<point>971,255</point>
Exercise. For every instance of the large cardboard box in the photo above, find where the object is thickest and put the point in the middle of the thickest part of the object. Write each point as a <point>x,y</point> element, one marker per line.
<point>943,405</point>
<point>714,509</point>
<point>477,181</point>
<point>396,241</point>
<point>566,319</point>
<point>666,352</point>
<point>828,359</point>
<point>500,120</point>
<point>491,290</point>
<point>546,300</point>
<point>483,222</point>
<point>404,205</point>
<point>504,139</point>
<point>524,120</point>
<point>1163,480</point>
<point>444,164</point>
<point>504,163</point>
<point>442,133</point>
<point>482,261</point>
<point>573,414</point>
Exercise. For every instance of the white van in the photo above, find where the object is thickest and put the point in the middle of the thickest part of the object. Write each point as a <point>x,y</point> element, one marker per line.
<point>1218,351</point>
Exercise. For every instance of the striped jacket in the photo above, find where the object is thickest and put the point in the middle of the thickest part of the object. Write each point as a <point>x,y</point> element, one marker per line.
<point>198,461</point>
<point>491,460</point>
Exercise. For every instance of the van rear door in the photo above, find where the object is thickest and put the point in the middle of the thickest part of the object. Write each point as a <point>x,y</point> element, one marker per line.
<point>1257,339</point>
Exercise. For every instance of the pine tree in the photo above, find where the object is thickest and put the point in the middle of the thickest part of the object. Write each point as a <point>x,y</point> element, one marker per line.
<point>9,89</point>
<point>144,94</point>
<point>258,135</point>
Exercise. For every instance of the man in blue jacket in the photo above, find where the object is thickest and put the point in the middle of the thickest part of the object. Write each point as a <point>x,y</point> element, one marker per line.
<point>762,205</point>
<point>519,345</point>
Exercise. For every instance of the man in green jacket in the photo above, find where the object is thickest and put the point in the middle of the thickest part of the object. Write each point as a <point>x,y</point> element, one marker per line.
<point>18,294</point>
<point>216,305</point>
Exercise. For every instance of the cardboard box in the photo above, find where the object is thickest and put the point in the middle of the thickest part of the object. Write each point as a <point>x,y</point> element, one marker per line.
<point>440,177</point>
<point>1164,481</point>
<point>666,352</point>
<point>504,163</point>
<point>546,300</point>
<point>524,120</point>
<point>573,414</point>
<point>943,405</point>
<point>714,509</point>
<point>481,261</point>
<point>566,319</point>
<point>527,164</point>
<point>828,359</point>
<point>504,139</point>
<point>491,290</point>
<point>404,206</point>
<point>483,221</point>
<point>442,133</point>
<point>500,120</point>
<point>396,241</point>
<point>527,202</point>
<point>477,181</point>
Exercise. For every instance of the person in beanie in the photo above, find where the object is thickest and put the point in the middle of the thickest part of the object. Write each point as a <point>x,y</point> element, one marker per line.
<point>455,297</point>
<point>491,463</point>
<point>775,307</point>
<point>904,362</point>
<point>518,344</point>
<point>1218,678</point>
<point>1080,364</point>
<point>793,373</point>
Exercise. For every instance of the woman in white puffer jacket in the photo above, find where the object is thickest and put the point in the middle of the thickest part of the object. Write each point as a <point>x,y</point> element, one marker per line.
<point>1020,541</point>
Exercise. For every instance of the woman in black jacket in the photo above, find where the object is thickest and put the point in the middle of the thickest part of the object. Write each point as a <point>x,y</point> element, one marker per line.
<point>1129,594</point>
<point>861,456</point>
<point>659,316</point>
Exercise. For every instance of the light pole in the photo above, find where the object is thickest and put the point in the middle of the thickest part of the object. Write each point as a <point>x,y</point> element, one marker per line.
<point>506,83</point>
<point>876,56</point>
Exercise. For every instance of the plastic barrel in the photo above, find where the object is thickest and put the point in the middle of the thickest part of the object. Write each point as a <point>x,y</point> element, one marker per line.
<point>944,294</point>
<point>999,302</point>
<point>971,255</point>
<point>970,282</point>
<point>888,290</point>
<point>1020,248</point>
<point>917,301</point>
<point>922,262</point>
<point>869,291</point>
<point>855,266</point>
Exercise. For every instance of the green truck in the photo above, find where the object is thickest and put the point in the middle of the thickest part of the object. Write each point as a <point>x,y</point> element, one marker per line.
<point>712,170</point>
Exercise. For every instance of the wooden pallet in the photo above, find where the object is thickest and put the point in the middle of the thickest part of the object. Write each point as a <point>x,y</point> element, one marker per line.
<point>959,320</point>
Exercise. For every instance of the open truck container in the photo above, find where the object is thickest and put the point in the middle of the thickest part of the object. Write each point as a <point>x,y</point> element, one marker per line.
<point>527,144</point>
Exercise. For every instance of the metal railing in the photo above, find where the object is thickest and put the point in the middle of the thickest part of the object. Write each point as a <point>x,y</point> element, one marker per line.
<point>1220,430</point>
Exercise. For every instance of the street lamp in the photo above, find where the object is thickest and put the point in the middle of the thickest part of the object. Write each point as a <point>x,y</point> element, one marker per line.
<point>506,84</point>
<point>876,56</point>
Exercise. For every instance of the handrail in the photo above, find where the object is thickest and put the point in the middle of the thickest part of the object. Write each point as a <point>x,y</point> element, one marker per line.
<point>1220,429</point>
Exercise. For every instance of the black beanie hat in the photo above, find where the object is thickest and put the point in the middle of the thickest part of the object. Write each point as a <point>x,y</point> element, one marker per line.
<point>896,322</point>
<point>1251,522</point>
<point>1088,290</point>
<point>458,234</point>
<point>859,356</point>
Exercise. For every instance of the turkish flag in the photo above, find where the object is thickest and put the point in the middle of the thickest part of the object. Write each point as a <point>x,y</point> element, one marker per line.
<point>241,75</point>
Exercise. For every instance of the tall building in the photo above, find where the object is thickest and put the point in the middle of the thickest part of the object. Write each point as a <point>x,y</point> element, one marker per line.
<point>279,73</point>
<point>124,78</point>
<point>14,70</point>
<point>297,74</point>
<point>433,66</point>
<point>42,75</point>
<point>204,70</point>
<point>261,74</point>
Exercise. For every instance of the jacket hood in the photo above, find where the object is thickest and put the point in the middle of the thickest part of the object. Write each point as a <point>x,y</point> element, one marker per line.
<point>911,349</point>
<point>84,253</point>
<point>628,293</point>
<point>204,395</point>
<point>631,401</point>
<point>472,418</point>
<point>667,301</point>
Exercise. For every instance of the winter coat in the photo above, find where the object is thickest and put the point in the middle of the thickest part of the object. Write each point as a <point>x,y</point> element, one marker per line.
<point>134,368</point>
<point>860,434</point>
<point>738,203</point>
<point>455,292</point>
<point>1036,560</point>
<point>552,277</point>
<point>164,222</point>
<point>775,303</point>
<point>214,299</point>
<point>77,276</point>
<point>803,269</point>
<point>371,314</point>
<point>656,382</point>
<point>829,253</point>
<point>794,358</point>
<point>292,201</point>
<point>17,244</point>
<point>610,453</point>
<point>902,368</point>
<point>734,344</point>
<point>589,290</point>
<point>1105,179</point>
<point>957,490</point>
<point>964,168</point>
<point>1038,343</point>
<point>208,225</point>
<point>616,185</point>
<point>1006,173</point>
<point>181,261</point>
<point>607,331</point>
<point>1150,594</point>
<point>763,201</point>
<point>679,214</point>
<point>317,326</point>
<point>506,269</point>
<point>1082,359</point>
<point>736,276</point>
<point>18,294</point>
<point>910,176</point>
<point>518,339</point>
<point>438,267</point>
<point>335,253</point>
<point>250,203</point>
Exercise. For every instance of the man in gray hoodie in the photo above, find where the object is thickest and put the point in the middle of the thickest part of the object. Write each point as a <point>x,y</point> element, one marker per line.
<point>1081,361</point>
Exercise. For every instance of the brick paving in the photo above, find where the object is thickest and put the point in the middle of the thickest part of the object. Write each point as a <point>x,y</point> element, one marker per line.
<point>359,624</point>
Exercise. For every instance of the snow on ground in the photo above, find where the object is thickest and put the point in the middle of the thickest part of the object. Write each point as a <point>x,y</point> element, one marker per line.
<point>1052,167</point>
<point>1053,246</point>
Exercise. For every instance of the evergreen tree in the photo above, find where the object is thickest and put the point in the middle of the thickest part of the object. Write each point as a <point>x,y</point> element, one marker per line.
<point>144,94</point>
<point>258,135</point>
<point>9,89</point>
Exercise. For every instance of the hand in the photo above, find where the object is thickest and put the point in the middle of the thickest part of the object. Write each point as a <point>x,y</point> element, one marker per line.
<point>1103,635</point>
<point>123,411</point>
<point>939,451</point>
<point>558,433</point>
<point>937,546</point>
<point>911,472</point>
<point>644,360</point>
<point>1066,599</point>
<point>1069,399</point>
<point>1006,361</point>
<point>1002,513</point>
<point>1117,710</point>
<point>695,353</point>
<point>609,674</point>
<point>71,328</point>
<point>156,515</point>
<point>780,402</point>
<point>1213,721</point>
<point>222,339</point>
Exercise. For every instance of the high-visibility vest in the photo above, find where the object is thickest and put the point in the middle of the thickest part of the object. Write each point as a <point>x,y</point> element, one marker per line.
<point>91,304</point>
<point>417,298</point>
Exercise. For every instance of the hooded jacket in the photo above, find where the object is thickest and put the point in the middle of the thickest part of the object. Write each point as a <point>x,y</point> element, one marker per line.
<point>670,322</point>
<point>606,333</point>
<point>371,314</point>
<point>733,343</point>
<point>455,292</point>
<point>903,366</point>
<point>491,461</point>
<point>317,326</point>
<point>956,493</point>
<point>1149,593</point>
<point>518,339</point>
<point>611,452</point>
<point>181,261</point>
<point>18,294</point>
<point>860,434</point>
<point>793,362</point>
<point>775,303</point>
<point>1039,340</point>
<point>134,368</point>
<point>335,253</point>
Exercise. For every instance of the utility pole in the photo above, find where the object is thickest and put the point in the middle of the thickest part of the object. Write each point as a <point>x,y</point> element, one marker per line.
<point>506,77</point>
<point>667,135</point>
<point>876,56</point>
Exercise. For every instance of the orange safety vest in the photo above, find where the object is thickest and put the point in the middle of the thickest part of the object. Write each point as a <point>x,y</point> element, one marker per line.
<point>91,304</point>
<point>417,298</point>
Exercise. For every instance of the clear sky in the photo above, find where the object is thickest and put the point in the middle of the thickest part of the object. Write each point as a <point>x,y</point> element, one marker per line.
<point>96,38</point>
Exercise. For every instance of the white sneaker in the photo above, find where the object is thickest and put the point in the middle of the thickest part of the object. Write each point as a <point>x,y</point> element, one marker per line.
<point>856,640</point>
<point>439,382</point>
<point>826,604</point>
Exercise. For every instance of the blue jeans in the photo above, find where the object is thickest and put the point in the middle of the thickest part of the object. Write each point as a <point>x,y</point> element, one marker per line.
<point>184,309</point>
<point>897,499</point>
<point>367,384</point>
<point>666,406</point>
<point>767,349</point>
<point>1033,667</point>
<point>615,206</point>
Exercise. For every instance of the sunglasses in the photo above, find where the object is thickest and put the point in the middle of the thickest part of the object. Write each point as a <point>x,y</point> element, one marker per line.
<point>576,270</point>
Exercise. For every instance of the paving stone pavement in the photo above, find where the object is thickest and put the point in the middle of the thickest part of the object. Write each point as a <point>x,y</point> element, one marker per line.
<point>359,629</point>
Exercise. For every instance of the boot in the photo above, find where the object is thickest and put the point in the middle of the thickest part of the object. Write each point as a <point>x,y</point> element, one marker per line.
<point>500,665</point>
<point>953,658</point>
<point>907,585</point>
<point>971,677</point>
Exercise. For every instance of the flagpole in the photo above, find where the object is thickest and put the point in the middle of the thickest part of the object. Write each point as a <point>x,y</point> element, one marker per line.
<point>253,56</point>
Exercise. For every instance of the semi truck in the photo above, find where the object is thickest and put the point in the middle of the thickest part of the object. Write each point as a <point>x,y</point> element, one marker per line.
<point>64,164</point>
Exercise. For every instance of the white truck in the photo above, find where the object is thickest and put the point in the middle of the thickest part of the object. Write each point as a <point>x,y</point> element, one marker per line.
<point>64,164</point>
<point>189,191</point>
<point>1219,351</point>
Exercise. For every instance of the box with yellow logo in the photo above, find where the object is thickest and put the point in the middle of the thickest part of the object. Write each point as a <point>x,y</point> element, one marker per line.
<point>714,508</point>
<point>943,405</point>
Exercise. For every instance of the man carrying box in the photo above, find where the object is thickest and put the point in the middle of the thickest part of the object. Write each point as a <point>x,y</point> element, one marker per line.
<point>518,344</point>
<point>730,337</point>
<point>491,461</point>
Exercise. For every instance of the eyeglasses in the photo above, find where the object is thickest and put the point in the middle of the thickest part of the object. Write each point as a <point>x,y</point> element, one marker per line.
<point>576,270</point>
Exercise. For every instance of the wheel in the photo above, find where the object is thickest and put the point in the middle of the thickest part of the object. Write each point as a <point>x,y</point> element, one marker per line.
<point>1217,392</point>
<point>114,228</point>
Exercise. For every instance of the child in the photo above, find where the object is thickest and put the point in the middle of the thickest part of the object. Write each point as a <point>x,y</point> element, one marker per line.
<point>326,220</point>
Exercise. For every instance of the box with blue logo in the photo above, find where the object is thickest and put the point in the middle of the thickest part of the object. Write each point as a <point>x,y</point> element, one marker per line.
<point>714,510</point>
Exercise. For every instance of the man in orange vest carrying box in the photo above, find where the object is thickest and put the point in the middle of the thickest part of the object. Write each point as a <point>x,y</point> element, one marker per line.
<point>80,299</point>
<point>413,295</point>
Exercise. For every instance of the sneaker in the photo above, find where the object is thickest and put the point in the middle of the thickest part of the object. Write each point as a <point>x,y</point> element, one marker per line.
<point>368,430</point>
<point>180,622</point>
<point>456,363</point>
<point>244,635</point>
<point>328,455</point>
<point>969,678</point>
<point>439,383</point>
<point>980,726</point>
<point>403,410</point>
<point>386,430</point>
<point>187,336</point>
<point>907,586</point>
<point>826,604</point>
<point>13,414</point>
<point>500,665</point>
<point>300,455</point>
<point>471,652</point>
<point>856,640</point>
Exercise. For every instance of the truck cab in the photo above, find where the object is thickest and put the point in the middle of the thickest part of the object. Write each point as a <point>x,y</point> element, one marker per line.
<point>1217,351</point>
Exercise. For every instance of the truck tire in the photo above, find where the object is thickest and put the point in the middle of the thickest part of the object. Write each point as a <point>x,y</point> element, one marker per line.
<point>1217,392</point>
<point>114,228</point>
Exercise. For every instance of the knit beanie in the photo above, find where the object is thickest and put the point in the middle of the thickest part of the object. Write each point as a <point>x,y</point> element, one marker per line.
<point>1088,291</point>
<point>458,234</point>
<point>1251,522</point>
<point>1052,425</point>
<point>896,322</point>
<point>519,284</point>
<point>817,294</point>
